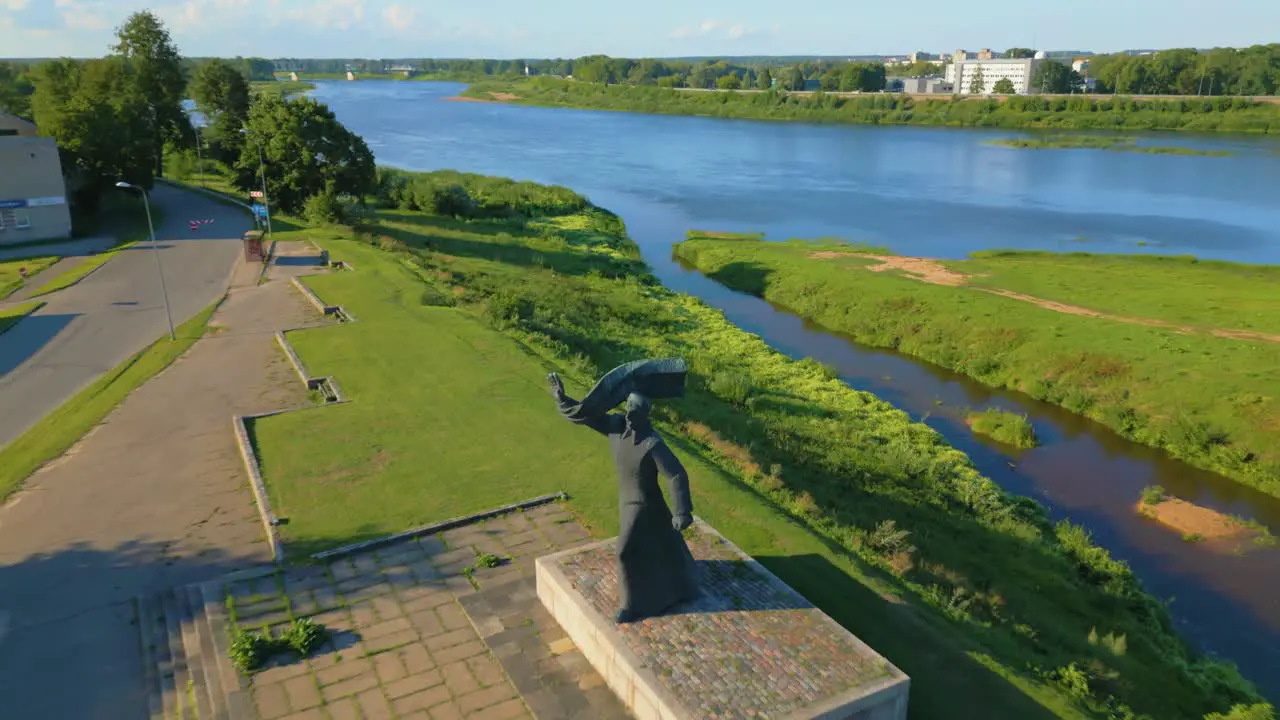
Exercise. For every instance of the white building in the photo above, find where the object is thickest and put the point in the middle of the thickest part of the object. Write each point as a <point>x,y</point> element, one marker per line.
<point>964,70</point>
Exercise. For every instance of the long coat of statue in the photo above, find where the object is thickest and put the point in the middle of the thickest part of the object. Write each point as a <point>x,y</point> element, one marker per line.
<point>656,571</point>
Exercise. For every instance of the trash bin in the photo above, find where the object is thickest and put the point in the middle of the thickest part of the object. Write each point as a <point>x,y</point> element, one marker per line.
<point>253,246</point>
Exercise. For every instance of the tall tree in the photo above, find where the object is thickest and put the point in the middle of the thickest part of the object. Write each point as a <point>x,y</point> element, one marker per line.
<point>144,41</point>
<point>102,125</point>
<point>729,82</point>
<point>222,94</point>
<point>978,84</point>
<point>1019,53</point>
<point>764,79</point>
<point>794,78</point>
<point>1051,77</point>
<point>306,152</point>
<point>1004,86</point>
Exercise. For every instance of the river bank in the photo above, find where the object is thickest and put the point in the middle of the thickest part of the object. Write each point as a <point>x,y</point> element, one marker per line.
<point>928,561</point>
<point>1229,115</point>
<point>1170,352</point>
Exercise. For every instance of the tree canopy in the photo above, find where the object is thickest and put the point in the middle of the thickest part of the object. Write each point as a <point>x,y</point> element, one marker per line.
<point>1221,71</point>
<point>221,93</point>
<point>306,152</point>
<point>1054,78</point>
<point>1004,86</point>
<point>16,89</point>
<point>157,75</point>
<point>101,122</point>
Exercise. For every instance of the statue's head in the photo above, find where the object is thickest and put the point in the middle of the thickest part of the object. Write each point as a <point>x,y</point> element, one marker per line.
<point>638,407</point>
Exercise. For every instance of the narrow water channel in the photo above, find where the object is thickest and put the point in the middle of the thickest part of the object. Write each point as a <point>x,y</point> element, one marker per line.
<point>1227,604</point>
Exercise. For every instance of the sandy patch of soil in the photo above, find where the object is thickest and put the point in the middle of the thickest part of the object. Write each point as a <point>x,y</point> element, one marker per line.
<point>494,97</point>
<point>933,272</point>
<point>1190,519</point>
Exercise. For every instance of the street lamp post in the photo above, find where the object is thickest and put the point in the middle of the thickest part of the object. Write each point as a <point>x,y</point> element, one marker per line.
<point>199,155</point>
<point>262,173</point>
<point>155,248</point>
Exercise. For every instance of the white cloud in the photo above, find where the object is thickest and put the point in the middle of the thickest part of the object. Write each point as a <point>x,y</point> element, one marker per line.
<point>401,18</point>
<point>14,5</point>
<point>712,28</point>
<point>336,14</point>
<point>83,14</point>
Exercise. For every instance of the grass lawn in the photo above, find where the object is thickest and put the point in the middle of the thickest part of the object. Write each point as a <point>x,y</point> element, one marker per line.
<point>62,428</point>
<point>1212,401</point>
<point>1180,290</point>
<point>13,315</point>
<point>11,272</point>
<point>972,592</point>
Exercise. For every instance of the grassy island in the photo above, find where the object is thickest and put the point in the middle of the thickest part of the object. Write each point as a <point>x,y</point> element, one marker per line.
<point>1102,142</point>
<point>1173,352</point>
<point>1218,114</point>
<point>470,289</point>
<point>1003,426</point>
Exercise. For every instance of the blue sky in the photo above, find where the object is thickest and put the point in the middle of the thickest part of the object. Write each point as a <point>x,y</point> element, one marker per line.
<point>569,28</point>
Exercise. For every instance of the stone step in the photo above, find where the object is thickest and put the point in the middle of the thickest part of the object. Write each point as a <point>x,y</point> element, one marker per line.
<point>176,676</point>
<point>149,639</point>
<point>231,689</point>
<point>197,658</point>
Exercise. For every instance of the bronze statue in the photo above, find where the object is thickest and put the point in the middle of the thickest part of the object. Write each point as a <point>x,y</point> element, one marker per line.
<point>656,571</point>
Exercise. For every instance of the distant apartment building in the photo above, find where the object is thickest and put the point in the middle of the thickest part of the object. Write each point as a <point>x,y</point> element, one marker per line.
<point>963,72</point>
<point>918,56</point>
<point>33,194</point>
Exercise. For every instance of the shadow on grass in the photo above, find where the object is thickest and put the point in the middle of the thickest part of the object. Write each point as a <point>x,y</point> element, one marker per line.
<point>434,237</point>
<point>940,667</point>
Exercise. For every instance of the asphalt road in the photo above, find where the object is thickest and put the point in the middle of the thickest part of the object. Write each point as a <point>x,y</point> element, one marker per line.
<point>90,328</point>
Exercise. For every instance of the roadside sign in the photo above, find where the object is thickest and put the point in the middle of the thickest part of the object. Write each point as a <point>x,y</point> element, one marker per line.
<point>255,193</point>
<point>259,210</point>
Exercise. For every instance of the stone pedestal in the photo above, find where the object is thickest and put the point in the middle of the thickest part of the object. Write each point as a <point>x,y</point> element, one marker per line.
<point>750,647</point>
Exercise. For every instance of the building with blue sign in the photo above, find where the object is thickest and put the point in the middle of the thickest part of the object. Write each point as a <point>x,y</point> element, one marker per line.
<point>33,194</point>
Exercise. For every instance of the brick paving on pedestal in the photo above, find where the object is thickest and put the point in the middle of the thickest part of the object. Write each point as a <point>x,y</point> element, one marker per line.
<point>417,632</point>
<point>746,648</point>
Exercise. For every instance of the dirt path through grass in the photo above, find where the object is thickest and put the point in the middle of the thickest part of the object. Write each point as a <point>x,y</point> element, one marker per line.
<point>933,272</point>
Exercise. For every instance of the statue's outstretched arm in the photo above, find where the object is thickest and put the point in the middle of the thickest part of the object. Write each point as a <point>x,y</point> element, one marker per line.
<point>571,409</point>
<point>669,465</point>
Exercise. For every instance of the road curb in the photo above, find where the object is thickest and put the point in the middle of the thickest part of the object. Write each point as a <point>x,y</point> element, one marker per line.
<point>250,459</point>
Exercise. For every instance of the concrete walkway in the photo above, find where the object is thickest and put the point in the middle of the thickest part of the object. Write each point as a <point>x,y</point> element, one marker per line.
<point>153,497</point>
<point>88,329</point>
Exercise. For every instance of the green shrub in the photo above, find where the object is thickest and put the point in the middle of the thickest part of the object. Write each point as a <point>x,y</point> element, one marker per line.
<point>1246,712</point>
<point>304,636</point>
<point>1153,495</point>
<point>250,650</point>
<point>732,387</point>
<point>323,208</point>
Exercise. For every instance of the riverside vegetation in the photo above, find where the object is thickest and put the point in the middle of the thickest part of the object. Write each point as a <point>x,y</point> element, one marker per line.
<point>470,289</point>
<point>1102,142</point>
<point>1219,114</point>
<point>1173,352</point>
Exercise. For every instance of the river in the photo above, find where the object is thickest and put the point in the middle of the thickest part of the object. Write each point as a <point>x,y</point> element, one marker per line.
<point>919,191</point>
